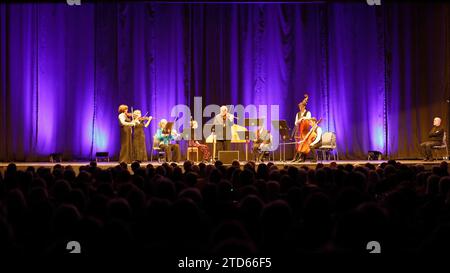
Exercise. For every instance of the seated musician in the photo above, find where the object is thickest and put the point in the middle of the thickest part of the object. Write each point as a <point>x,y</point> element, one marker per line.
<point>165,138</point>
<point>262,143</point>
<point>435,138</point>
<point>315,143</point>
<point>203,148</point>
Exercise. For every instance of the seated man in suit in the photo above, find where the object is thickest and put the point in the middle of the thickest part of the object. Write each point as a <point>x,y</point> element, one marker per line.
<point>262,143</point>
<point>165,138</point>
<point>435,137</point>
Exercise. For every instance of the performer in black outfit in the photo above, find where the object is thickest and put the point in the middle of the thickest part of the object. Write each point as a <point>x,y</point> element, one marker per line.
<point>435,137</point>
<point>126,124</point>
<point>139,147</point>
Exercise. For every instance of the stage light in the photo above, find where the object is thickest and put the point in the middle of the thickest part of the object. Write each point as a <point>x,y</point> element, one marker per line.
<point>102,156</point>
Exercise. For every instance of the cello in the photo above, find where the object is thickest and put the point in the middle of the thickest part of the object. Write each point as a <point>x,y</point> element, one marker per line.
<point>304,145</point>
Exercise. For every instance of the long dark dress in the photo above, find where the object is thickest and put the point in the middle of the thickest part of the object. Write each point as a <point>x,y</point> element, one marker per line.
<point>125,144</point>
<point>139,148</point>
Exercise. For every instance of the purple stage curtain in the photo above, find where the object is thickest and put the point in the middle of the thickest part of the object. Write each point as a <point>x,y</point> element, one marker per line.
<point>417,73</point>
<point>376,75</point>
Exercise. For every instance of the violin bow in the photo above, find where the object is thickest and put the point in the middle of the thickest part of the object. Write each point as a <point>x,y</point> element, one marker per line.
<point>132,115</point>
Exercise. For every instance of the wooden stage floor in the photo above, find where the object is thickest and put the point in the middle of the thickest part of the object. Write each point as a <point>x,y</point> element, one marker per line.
<point>280,164</point>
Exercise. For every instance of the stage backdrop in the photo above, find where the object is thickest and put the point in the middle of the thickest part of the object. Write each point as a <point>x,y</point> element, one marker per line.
<point>376,75</point>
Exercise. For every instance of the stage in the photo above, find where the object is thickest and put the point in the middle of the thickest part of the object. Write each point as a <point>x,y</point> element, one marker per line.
<point>280,164</point>
<point>180,61</point>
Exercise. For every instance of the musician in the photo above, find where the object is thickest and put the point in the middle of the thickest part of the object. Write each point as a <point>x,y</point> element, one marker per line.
<point>303,113</point>
<point>316,143</point>
<point>165,139</point>
<point>302,116</point>
<point>126,124</point>
<point>435,138</point>
<point>223,122</point>
<point>203,148</point>
<point>139,147</point>
<point>262,143</point>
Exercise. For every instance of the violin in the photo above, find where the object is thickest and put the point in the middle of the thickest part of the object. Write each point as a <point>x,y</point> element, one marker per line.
<point>130,115</point>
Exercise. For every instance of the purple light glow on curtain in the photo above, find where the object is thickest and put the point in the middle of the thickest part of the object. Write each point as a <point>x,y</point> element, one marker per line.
<point>65,78</point>
<point>139,62</point>
<point>418,66</point>
<point>356,79</point>
<point>369,71</point>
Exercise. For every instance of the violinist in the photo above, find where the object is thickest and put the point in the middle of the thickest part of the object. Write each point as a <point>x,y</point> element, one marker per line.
<point>139,147</point>
<point>165,138</point>
<point>223,122</point>
<point>316,141</point>
<point>126,123</point>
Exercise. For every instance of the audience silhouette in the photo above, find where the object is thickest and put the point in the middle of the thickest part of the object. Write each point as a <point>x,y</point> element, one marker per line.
<point>219,210</point>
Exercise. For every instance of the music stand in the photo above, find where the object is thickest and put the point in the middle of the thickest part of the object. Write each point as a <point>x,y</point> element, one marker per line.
<point>210,128</point>
<point>283,129</point>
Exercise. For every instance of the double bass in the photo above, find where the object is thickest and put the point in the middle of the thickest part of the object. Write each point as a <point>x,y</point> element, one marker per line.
<point>304,145</point>
<point>302,129</point>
